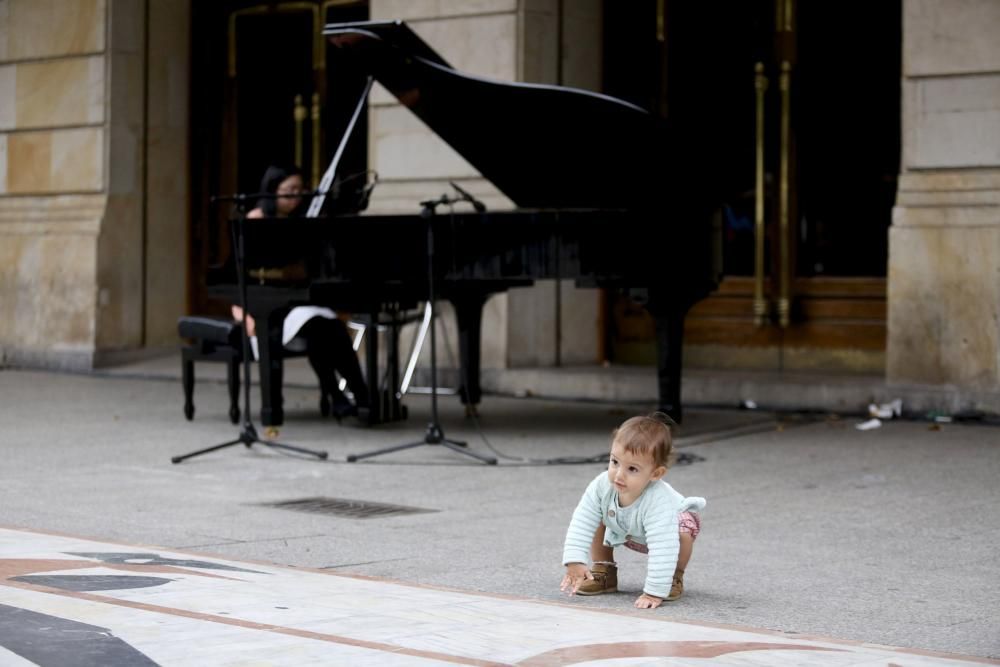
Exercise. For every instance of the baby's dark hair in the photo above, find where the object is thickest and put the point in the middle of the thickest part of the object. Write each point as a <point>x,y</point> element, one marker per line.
<point>647,435</point>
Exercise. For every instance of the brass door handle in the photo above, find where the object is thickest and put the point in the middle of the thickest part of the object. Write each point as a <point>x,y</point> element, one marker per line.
<point>784,296</point>
<point>759,303</point>
<point>299,113</point>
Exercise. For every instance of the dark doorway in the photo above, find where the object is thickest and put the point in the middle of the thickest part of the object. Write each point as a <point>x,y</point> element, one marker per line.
<point>265,90</point>
<point>694,64</point>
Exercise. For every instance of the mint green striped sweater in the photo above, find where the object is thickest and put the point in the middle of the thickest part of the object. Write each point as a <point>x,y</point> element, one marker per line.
<point>652,520</point>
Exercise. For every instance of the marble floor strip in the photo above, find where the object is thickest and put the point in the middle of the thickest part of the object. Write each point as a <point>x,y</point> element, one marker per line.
<point>62,597</point>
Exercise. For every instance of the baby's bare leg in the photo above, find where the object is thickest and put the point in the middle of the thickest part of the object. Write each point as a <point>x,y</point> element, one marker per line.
<point>684,555</point>
<point>599,552</point>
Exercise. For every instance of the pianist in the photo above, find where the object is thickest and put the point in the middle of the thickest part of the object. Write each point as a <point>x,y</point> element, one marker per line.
<point>311,329</point>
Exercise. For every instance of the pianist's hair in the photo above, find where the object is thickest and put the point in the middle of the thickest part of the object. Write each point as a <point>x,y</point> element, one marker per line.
<point>647,435</point>
<point>273,176</point>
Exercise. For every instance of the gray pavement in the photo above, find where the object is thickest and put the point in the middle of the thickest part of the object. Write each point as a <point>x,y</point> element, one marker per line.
<point>812,527</point>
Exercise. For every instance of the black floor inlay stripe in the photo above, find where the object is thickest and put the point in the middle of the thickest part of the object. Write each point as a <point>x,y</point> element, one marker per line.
<point>50,641</point>
<point>91,582</point>
<point>116,558</point>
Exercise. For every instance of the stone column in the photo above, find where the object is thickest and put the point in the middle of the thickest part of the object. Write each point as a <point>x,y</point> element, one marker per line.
<point>93,178</point>
<point>52,178</point>
<point>944,243</point>
<point>168,170</point>
<point>554,323</point>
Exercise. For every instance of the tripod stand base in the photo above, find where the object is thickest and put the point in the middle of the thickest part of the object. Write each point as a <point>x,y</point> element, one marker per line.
<point>433,436</point>
<point>248,436</point>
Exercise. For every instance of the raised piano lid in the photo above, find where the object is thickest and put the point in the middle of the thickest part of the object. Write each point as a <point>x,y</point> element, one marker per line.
<point>542,145</point>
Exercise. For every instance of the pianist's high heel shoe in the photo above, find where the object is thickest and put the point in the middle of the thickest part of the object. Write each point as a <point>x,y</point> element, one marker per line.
<point>324,398</point>
<point>341,406</point>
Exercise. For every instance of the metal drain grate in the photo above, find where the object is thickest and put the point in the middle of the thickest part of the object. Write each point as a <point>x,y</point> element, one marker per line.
<point>354,509</point>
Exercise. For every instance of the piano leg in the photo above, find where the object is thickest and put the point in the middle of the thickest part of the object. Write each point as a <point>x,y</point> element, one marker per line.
<point>271,367</point>
<point>374,415</point>
<point>469,317</point>
<point>669,320</point>
<point>396,410</point>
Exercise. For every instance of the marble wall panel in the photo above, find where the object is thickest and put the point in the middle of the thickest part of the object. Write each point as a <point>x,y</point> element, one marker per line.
<point>167,171</point>
<point>77,160</point>
<point>55,161</point>
<point>127,29</point>
<point>494,336</point>
<point>948,198</point>
<point>125,160</point>
<point>3,164</point>
<point>953,122</point>
<point>538,55</point>
<point>69,91</point>
<point>8,96</point>
<point>580,325</point>
<point>944,305</point>
<point>534,336</point>
<point>957,36</point>
<point>166,235</point>
<point>531,325</point>
<point>46,292</point>
<point>479,45</point>
<point>29,160</point>
<point>47,28</point>
<point>4,28</point>
<point>948,180</point>
<point>125,110</point>
<point>409,10</point>
<point>403,147</point>
<point>582,44</point>
<point>169,63</point>
<point>120,288</point>
<point>483,46</point>
<point>52,214</point>
<point>47,277</point>
<point>127,74</point>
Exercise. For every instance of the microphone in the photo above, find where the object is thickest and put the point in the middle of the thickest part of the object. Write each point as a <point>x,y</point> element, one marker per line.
<point>476,204</point>
<point>366,193</point>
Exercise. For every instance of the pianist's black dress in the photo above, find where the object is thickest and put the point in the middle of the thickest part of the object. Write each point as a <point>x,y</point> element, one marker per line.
<point>327,343</point>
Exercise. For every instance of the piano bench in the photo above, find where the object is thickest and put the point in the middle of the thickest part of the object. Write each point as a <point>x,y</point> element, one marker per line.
<point>212,339</point>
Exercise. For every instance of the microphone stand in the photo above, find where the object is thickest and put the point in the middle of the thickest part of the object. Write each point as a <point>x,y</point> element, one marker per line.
<point>248,434</point>
<point>434,434</point>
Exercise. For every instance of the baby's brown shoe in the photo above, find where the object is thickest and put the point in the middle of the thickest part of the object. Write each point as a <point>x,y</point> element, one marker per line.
<point>605,580</point>
<point>677,588</point>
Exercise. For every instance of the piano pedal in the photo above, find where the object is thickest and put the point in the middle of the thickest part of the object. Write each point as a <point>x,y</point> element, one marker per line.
<point>271,432</point>
<point>471,411</point>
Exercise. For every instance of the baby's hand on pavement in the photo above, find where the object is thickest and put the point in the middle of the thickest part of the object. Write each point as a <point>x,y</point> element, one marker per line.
<point>576,574</point>
<point>645,601</point>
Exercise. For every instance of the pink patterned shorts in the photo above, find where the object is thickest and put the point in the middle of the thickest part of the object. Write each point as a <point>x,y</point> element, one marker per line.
<point>688,522</point>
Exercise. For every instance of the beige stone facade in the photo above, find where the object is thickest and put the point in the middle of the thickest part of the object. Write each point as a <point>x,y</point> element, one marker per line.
<point>95,175</point>
<point>82,206</point>
<point>944,250</point>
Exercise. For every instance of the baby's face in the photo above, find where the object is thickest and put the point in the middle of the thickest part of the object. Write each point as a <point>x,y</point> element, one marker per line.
<point>631,473</point>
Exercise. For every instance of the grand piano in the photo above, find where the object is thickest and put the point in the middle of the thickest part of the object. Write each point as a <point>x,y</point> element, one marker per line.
<point>606,194</point>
